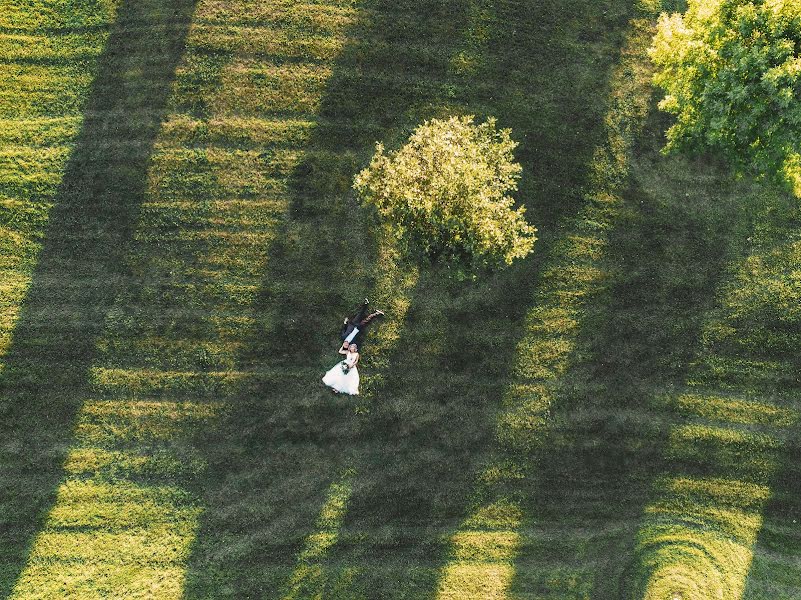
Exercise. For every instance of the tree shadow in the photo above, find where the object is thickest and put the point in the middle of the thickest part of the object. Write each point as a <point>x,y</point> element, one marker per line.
<point>284,440</point>
<point>609,442</point>
<point>431,426</point>
<point>771,574</point>
<point>667,256</point>
<point>731,429</point>
<point>80,266</point>
<point>680,330</point>
<point>764,315</point>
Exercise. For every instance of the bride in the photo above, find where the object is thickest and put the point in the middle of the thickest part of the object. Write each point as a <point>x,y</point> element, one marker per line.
<point>343,376</point>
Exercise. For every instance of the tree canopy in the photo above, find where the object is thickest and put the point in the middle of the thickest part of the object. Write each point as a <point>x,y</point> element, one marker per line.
<point>731,70</point>
<point>446,193</point>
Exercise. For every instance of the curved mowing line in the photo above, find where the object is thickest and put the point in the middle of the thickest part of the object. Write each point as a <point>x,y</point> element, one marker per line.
<point>486,545</point>
<point>698,536</point>
<point>699,531</point>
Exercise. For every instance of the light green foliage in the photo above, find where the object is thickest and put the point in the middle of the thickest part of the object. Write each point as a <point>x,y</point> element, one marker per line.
<point>731,71</point>
<point>446,192</point>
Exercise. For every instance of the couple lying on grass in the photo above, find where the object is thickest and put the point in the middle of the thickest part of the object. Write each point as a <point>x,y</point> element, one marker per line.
<point>343,377</point>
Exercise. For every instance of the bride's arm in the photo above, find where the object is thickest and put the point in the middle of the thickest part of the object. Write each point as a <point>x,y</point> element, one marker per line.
<point>344,348</point>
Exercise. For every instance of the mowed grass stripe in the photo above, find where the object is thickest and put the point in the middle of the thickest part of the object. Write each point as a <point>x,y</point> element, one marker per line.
<point>162,342</point>
<point>44,49</point>
<point>42,14</point>
<point>485,548</point>
<point>43,131</point>
<point>140,503</point>
<point>700,531</point>
<point>31,173</point>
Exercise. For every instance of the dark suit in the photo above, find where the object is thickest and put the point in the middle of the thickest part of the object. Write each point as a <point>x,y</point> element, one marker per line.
<point>361,320</point>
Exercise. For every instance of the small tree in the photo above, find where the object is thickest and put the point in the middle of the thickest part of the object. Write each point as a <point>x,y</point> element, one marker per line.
<point>445,194</point>
<point>731,70</point>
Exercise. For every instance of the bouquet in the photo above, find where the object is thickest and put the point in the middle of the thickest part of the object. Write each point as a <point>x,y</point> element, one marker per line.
<point>345,367</point>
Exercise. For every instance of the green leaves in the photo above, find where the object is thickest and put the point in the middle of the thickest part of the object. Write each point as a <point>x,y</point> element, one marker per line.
<point>445,194</point>
<point>731,71</point>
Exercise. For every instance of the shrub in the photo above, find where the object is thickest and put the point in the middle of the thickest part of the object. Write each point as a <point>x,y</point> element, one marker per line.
<point>445,194</point>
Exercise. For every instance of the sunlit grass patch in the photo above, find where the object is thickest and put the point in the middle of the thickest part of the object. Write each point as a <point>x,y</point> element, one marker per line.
<point>30,174</point>
<point>729,448</point>
<point>309,579</point>
<point>157,382</point>
<point>700,566</point>
<point>121,539</point>
<point>725,446</point>
<point>476,581</point>
<point>118,505</point>
<point>735,410</point>
<point>101,581</point>
<point>43,90</point>
<point>543,355</point>
<point>711,494</point>
<point>30,15</point>
<point>44,131</point>
<point>70,47</point>
<point>112,464</point>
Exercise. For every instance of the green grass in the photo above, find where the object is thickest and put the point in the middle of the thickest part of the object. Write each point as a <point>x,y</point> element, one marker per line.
<point>616,417</point>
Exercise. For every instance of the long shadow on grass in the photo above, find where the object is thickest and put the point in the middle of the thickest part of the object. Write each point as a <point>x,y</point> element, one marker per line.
<point>539,69</point>
<point>696,535</point>
<point>46,373</point>
<point>772,572</point>
<point>779,541</point>
<point>609,443</point>
<point>284,440</point>
<point>765,332</point>
<point>666,257</point>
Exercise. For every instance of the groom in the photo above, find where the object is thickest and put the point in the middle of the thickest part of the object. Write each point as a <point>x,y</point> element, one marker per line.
<point>355,327</point>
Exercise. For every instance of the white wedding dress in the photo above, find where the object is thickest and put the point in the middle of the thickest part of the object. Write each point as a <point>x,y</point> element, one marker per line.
<point>346,383</point>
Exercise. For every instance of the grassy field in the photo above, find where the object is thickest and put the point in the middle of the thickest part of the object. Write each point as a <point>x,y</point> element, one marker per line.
<point>616,417</point>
